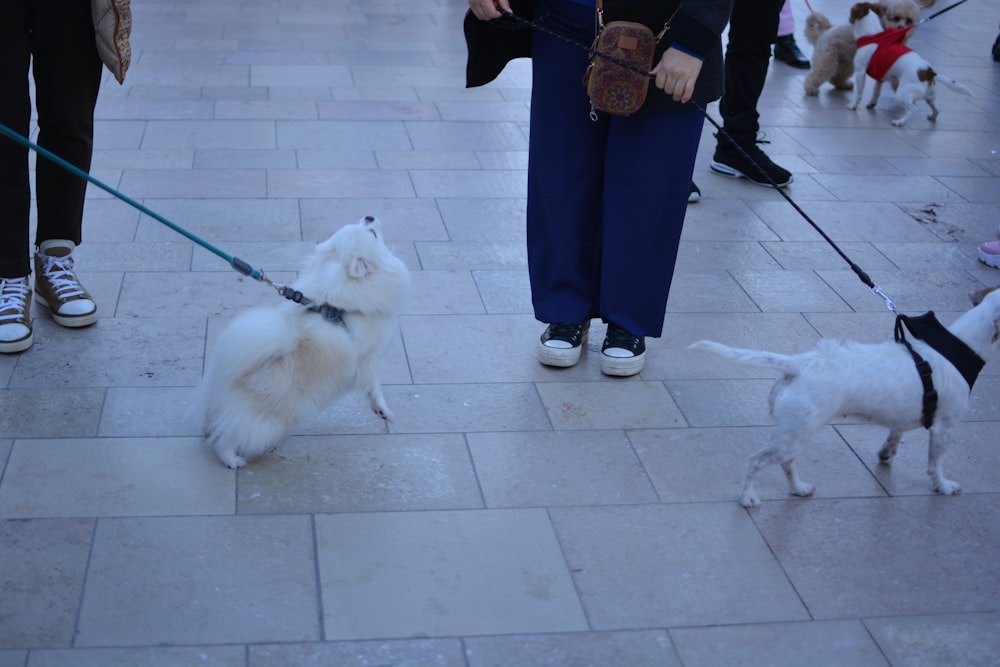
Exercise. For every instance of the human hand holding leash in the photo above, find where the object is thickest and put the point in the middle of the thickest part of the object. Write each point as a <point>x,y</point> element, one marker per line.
<point>487,10</point>
<point>676,74</point>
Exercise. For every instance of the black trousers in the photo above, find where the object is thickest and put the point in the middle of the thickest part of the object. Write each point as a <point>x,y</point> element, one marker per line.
<point>56,38</point>
<point>753,28</point>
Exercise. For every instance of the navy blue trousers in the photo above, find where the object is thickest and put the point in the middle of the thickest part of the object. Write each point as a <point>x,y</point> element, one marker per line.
<point>606,199</point>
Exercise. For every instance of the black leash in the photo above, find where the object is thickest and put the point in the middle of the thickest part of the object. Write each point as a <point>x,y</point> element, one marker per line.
<point>940,12</point>
<point>864,277</point>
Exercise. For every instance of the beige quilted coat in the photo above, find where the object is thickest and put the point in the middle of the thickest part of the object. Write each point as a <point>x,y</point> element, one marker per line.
<point>112,27</point>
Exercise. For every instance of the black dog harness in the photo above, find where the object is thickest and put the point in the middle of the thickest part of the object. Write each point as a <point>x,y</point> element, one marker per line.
<point>927,328</point>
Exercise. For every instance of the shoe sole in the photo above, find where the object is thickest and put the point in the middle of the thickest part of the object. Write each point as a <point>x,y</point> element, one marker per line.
<point>989,260</point>
<point>12,346</point>
<point>726,170</point>
<point>561,357</point>
<point>622,366</point>
<point>69,321</point>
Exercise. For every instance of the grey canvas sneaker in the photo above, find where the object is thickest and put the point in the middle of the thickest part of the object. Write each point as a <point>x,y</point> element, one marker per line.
<point>15,315</point>
<point>57,288</point>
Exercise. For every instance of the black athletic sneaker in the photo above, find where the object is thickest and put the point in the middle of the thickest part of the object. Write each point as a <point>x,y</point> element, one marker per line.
<point>561,344</point>
<point>623,353</point>
<point>996,49</point>
<point>730,161</point>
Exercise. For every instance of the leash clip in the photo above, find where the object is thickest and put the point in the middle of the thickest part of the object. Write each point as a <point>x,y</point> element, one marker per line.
<point>888,302</point>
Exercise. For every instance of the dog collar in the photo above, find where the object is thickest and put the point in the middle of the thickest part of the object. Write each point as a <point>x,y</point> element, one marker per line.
<point>328,312</point>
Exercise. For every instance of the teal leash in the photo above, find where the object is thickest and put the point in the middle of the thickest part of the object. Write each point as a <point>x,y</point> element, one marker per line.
<point>235,262</point>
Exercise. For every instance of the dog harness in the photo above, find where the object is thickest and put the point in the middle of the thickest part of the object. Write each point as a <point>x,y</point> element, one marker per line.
<point>927,328</point>
<point>889,48</point>
<point>328,312</point>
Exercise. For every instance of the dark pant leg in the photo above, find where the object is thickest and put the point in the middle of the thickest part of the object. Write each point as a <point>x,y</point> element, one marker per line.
<point>565,158</point>
<point>67,71</point>
<point>15,113</point>
<point>753,28</point>
<point>650,161</point>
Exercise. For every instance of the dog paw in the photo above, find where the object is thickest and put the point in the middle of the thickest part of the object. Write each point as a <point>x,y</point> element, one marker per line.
<point>803,489</point>
<point>749,500</point>
<point>897,123</point>
<point>383,412</point>
<point>232,461</point>
<point>946,487</point>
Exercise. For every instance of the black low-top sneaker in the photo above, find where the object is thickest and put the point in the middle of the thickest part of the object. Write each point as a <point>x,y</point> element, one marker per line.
<point>754,165</point>
<point>561,344</point>
<point>623,354</point>
<point>695,195</point>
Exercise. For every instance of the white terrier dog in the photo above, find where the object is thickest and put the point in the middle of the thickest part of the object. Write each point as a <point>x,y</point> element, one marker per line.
<point>273,365</point>
<point>878,382</point>
<point>889,60</point>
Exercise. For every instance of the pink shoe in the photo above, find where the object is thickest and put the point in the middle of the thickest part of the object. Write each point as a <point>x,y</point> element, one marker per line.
<point>989,254</point>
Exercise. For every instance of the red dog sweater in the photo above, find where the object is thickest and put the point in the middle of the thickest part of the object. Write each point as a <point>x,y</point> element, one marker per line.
<point>889,48</point>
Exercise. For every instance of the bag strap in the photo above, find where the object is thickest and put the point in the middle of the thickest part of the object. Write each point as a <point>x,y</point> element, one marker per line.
<point>659,36</point>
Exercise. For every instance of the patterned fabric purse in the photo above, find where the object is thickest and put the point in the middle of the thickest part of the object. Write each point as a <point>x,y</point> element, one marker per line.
<point>611,87</point>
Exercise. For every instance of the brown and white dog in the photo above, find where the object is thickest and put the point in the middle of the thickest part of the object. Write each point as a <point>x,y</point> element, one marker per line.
<point>882,56</point>
<point>834,47</point>
<point>878,382</point>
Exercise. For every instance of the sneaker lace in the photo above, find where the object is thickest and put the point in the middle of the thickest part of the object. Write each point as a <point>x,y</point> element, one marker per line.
<point>13,298</point>
<point>59,272</point>
<point>620,338</point>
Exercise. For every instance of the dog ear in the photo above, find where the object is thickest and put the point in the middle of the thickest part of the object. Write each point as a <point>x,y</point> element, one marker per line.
<point>358,267</point>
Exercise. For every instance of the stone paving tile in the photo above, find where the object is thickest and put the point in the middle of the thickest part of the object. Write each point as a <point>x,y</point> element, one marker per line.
<point>640,647</point>
<point>448,573</point>
<point>200,580</point>
<point>838,575</point>
<point>118,477</point>
<point>830,643</point>
<point>972,640</point>
<point>673,565</point>
<point>44,565</point>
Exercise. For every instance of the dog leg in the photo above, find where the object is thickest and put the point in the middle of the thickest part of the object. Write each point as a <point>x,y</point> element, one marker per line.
<point>795,484</point>
<point>368,378</point>
<point>909,107</point>
<point>859,87</point>
<point>940,438</point>
<point>934,110</point>
<point>876,91</point>
<point>781,449</point>
<point>889,447</point>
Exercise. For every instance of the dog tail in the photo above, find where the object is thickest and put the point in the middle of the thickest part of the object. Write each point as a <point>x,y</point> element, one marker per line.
<point>951,83</point>
<point>782,362</point>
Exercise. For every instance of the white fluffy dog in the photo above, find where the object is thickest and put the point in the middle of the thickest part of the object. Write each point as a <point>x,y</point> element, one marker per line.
<point>273,365</point>
<point>910,75</point>
<point>878,382</point>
